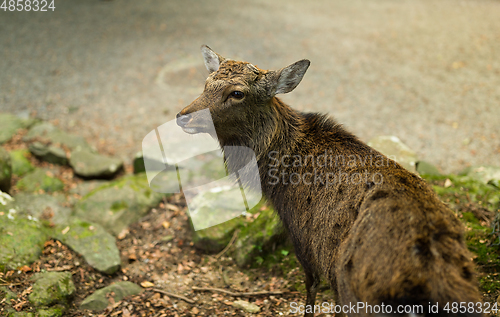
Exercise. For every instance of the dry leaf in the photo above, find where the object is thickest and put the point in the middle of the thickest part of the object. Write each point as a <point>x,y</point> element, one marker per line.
<point>447,183</point>
<point>65,230</point>
<point>25,268</point>
<point>147,284</point>
<point>123,234</point>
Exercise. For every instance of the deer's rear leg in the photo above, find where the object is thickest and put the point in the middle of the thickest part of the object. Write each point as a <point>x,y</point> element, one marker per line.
<point>312,283</point>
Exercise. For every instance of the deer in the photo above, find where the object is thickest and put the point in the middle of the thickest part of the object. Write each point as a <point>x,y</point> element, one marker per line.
<point>376,232</point>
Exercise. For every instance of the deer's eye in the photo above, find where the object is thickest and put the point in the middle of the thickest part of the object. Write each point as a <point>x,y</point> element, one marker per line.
<point>237,95</point>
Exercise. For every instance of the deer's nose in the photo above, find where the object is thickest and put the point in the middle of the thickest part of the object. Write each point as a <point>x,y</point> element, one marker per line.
<point>182,120</point>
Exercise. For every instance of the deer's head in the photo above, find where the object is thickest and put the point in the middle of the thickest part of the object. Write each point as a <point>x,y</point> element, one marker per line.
<point>239,96</point>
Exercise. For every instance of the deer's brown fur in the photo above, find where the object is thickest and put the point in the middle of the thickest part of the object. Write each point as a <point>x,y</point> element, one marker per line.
<point>391,241</point>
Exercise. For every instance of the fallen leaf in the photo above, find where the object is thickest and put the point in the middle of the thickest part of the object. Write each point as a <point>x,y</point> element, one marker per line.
<point>147,284</point>
<point>25,268</point>
<point>447,183</point>
<point>123,234</point>
<point>65,230</point>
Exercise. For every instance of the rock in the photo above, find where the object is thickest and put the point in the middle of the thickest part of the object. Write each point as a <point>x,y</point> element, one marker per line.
<point>215,239</point>
<point>10,124</point>
<point>21,314</point>
<point>5,170</point>
<point>82,189</point>
<point>20,163</point>
<point>117,204</point>
<point>99,301</point>
<point>40,179</point>
<point>51,288</point>
<point>393,148</point>
<point>138,163</point>
<point>43,207</point>
<point>48,153</point>
<point>54,311</point>
<point>91,165</point>
<point>166,182</point>
<point>257,236</point>
<point>91,241</point>
<point>425,168</point>
<point>214,206</point>
<point>246,306</point>
<point>484,174</point>
<point>21,239</point>
<point>50,144</point>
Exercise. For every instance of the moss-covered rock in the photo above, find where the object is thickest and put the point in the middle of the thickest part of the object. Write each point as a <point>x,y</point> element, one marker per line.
<point>51,288</point>
<point>117,204</point>
<point>9,124</point>
<point>426,168</point>
<point>95,244</point>
<point>99,300</point>
<point>484,174</point>
<point>257,237</point>
<point>21,240</point>
<point>214,239</point>
<point>5,170</point>
<point>51,144</point>
<point>44,207</point>
<point>40,179</point>
<point>392,147</point>
<point>214,206</point>
<point>92,165</point>
<point>20,162</point>
<point>54,311</point>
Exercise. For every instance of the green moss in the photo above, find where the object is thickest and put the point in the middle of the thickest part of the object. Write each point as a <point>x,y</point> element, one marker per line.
<point>118,206</point>
<point>460,191</point>
<point>21,242</point>
<point>469,217</point>
<point>7,293</point>
<point>464,189</point>
<point>38,179</point>
<point>490,283</point>
<point>20,163</point>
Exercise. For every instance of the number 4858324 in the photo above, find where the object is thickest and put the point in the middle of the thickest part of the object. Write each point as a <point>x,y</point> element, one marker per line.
<point>27,5</point>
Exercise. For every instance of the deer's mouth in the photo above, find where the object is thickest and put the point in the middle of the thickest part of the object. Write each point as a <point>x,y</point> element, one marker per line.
<point>194,124</point>
<point>191,130</point>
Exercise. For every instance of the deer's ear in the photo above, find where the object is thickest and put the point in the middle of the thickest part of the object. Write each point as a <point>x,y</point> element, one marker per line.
<point>212,59</point>
<point>286,79</point>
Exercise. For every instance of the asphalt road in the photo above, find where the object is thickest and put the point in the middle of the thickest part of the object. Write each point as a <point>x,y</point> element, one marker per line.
<point>427,71</point>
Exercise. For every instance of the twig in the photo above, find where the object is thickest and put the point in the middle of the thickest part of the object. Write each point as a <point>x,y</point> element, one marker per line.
<point>11,284</point>
<point>235,234</point>
<point>210,289</point>
<point>62,268</point>
<point>173,295</point>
